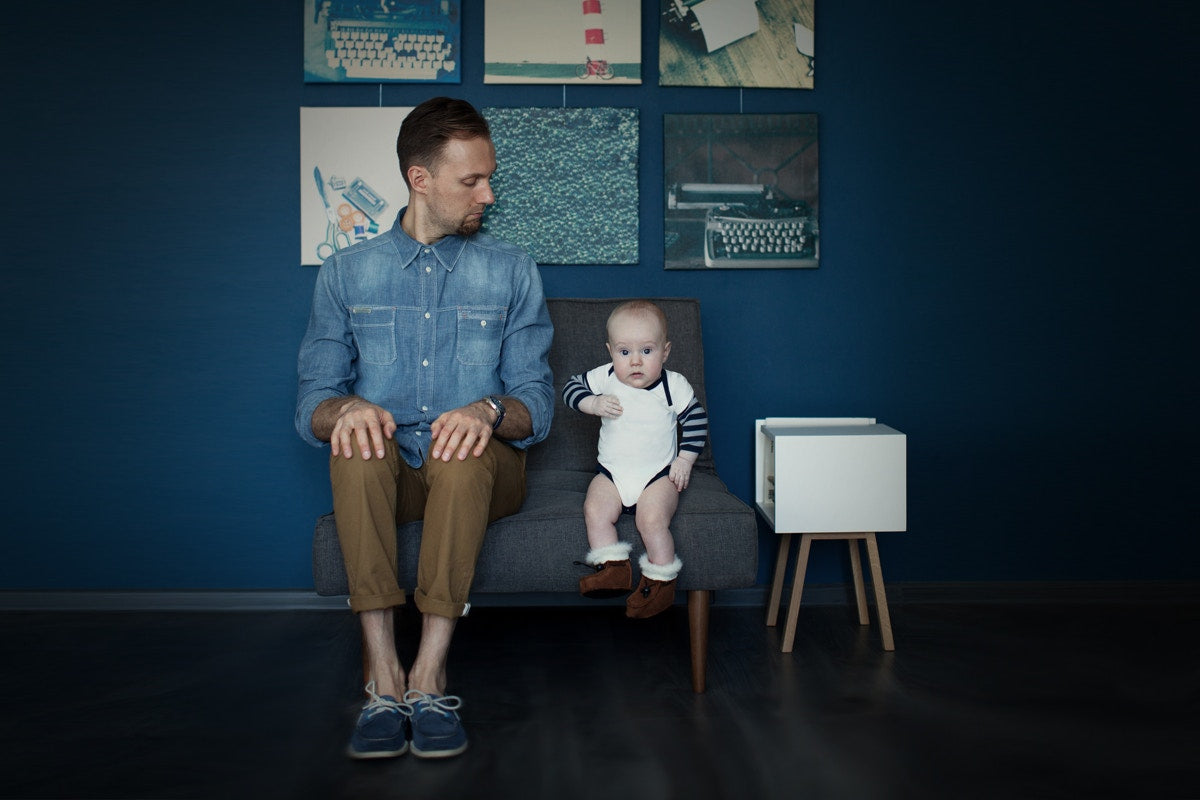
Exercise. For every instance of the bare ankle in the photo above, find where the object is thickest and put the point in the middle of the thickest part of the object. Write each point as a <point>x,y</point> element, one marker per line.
<point>433,683</point>
<point>388,682</point>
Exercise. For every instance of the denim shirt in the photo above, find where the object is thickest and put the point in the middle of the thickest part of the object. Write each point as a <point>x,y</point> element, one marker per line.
<point>423,329</point>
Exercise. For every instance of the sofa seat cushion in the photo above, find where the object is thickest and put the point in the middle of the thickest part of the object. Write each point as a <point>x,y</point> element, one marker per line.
<point>535,549</point>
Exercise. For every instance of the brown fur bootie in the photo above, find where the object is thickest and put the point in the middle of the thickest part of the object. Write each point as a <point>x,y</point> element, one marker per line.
<point>655,592</point>
<point>613,574</point>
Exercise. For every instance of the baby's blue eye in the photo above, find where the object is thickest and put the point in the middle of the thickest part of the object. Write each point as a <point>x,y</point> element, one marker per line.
<point>647,351</point>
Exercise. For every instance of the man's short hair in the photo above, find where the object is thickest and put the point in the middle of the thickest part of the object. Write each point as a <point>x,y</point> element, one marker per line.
<point>428,127</point>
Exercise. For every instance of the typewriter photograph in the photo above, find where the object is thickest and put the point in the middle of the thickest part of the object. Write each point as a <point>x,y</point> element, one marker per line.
<point>382,42</point>
<point>740,191</point>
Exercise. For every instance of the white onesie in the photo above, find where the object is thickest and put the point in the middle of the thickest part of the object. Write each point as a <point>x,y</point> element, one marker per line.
<point>639,444</point>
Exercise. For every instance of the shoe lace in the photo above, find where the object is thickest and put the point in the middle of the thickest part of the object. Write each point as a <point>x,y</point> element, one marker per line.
<point>378,704</point>
<point>445,704</point>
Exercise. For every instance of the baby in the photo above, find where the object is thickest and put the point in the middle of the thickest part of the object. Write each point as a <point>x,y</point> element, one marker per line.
<point>642,467</point>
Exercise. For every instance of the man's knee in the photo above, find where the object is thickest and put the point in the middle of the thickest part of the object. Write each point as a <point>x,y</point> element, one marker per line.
<point>492,485</point>
<point>470,472</point>
<point>355,468</point>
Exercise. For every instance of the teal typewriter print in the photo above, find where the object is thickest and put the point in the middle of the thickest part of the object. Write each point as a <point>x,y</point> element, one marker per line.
<point>382,42</point>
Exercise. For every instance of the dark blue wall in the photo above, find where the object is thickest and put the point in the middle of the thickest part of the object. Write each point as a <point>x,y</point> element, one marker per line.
<point>1008,198</point>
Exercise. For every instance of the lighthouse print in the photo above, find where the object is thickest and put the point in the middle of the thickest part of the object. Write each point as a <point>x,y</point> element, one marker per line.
<point>562,41</point>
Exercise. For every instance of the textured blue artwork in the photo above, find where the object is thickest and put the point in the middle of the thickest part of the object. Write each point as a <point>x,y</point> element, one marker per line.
<point>566,185</point>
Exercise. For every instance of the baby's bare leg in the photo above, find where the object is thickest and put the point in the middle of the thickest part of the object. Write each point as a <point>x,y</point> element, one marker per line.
<point>601,510</point>
<point>655,508</point>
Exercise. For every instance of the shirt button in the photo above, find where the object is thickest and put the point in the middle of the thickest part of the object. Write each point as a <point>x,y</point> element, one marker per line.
<point>425,363</point>
<point>426,315</point>
<point>424,408</point>
<point>418,433</point>
<point>429,269</point>
<point>483,323</point>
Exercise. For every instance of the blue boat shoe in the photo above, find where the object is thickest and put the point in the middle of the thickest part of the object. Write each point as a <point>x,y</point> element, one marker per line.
<point>437,732</point>
<point>382,727</point>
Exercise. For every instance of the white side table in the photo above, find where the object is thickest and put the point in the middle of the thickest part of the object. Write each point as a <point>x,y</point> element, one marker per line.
<point>830,478</point>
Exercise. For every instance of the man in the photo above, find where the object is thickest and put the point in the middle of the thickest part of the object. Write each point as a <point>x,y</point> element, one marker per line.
<point>424,366</point>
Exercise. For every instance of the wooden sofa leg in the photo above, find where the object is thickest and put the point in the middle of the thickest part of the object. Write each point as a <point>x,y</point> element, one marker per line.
<point>698,606</point>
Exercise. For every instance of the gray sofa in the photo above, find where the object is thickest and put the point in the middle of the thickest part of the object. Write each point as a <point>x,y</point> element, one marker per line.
<point>534,550</point>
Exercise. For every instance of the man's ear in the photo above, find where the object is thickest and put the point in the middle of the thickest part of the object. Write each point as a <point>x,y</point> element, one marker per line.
<point>418,178</point>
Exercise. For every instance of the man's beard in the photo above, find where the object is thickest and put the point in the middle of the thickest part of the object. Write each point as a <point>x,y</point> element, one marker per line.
<point>469,226</point>
<point>463,226</point>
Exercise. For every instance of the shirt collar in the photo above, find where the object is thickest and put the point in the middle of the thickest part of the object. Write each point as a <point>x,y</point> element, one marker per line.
<point>447,250</point>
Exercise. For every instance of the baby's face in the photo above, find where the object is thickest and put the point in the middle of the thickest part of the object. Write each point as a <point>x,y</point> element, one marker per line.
<point>637,347</point>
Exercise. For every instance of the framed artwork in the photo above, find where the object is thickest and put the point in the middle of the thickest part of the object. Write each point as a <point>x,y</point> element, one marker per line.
<point>382,42</point>
<point>566,183</point>
<point>350,185</point>
<point>743,43</point>
<point>741,191</point>
<point>562,41</point>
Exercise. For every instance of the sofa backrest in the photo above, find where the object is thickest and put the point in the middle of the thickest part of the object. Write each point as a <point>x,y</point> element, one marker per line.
<point>579,335</point>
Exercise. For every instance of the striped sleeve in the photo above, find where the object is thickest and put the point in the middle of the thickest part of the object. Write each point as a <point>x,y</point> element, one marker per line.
<point>575,390</point>
<point>694,422</point>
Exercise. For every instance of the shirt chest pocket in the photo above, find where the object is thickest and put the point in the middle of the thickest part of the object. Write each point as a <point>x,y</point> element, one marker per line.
<point>374,333</point>
<point>480,334</point>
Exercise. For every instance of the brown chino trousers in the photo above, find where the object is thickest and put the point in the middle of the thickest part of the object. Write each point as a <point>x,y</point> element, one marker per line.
<point>456,500</point>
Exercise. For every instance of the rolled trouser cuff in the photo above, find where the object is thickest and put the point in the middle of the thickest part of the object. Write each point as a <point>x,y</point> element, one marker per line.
<point>377,602</point>
<point>442,608</point>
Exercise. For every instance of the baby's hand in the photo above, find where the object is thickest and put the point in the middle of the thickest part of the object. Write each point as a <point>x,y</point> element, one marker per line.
<point>601,405</point>
<point>681,472</point>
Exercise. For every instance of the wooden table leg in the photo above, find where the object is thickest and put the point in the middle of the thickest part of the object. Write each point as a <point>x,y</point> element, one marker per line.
<point>860,591</point>
<point>789,636</point>
<point>785,543</point>
<point>881,606</point>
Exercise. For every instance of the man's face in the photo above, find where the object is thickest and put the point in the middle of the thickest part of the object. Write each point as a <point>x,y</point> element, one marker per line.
<point>459,186</point>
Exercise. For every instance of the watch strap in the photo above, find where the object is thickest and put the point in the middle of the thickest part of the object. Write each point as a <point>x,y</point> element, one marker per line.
<point>497,406</point>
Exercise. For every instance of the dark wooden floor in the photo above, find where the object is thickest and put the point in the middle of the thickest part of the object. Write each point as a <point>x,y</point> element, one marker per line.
<point>978,701</point>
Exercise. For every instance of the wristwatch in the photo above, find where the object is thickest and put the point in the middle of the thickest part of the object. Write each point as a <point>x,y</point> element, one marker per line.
<point>498,407</point>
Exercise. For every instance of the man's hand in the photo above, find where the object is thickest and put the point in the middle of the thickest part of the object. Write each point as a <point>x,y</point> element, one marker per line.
<point>601,405</point>
<point>362,424</point>
<point>465,430</point>
<point>681,470</point>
